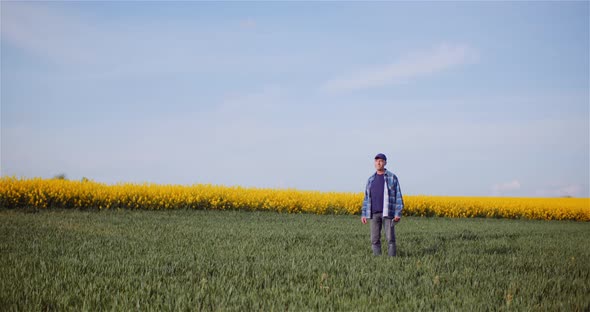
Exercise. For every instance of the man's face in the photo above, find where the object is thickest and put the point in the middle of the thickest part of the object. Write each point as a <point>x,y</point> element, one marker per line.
<point>380,164</point>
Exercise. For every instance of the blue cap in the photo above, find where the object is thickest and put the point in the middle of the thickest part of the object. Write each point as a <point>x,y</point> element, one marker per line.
<point>381,156</point>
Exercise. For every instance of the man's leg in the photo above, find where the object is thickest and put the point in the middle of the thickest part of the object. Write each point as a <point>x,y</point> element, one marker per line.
<point>376,223</point>
<point>390,235</point>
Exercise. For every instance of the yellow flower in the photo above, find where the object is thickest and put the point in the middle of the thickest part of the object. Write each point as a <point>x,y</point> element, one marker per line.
<point>49,193</point>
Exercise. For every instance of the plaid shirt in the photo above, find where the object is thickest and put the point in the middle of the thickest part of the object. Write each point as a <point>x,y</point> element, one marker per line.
<point>395,199</point>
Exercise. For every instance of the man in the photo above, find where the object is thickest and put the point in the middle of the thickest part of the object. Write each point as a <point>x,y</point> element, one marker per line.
<point>383,205</point>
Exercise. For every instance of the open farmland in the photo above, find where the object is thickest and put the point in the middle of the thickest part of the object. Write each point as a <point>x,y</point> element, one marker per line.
<point>67,259</point>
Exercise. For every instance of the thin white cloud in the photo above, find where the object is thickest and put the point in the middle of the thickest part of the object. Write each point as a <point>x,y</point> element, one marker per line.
<point>267,99</point>
<point>68,37</point>
<point>248,23</point>
<point>414,65</point>
<point>506,187</point>
<point>65,37</point>
<point>569,190</point>
<point>37,29</point>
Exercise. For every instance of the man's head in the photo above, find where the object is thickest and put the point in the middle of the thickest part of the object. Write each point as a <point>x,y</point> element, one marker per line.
<point>380,162</point>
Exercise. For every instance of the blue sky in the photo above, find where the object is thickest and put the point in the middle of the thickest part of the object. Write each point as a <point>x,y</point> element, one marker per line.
<point>465,98</point>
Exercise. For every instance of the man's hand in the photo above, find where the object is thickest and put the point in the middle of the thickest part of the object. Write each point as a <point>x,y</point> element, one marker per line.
<point>364,220</point>
<point>396,219</point>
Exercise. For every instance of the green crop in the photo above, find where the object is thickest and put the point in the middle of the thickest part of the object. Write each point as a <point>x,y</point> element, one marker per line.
<point>266,261</point>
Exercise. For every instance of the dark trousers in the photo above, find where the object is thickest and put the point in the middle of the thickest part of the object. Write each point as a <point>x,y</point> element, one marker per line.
<point>378,222</point>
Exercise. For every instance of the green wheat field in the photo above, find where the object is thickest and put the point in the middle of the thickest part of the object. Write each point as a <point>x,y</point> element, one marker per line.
<point>264,261</point>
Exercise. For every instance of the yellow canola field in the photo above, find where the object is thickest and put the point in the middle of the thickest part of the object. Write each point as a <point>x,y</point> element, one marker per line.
<point>55,193</point>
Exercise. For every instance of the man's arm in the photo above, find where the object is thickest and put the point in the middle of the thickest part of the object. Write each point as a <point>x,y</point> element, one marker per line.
<point>399,202</point>
<point>365,205</point>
